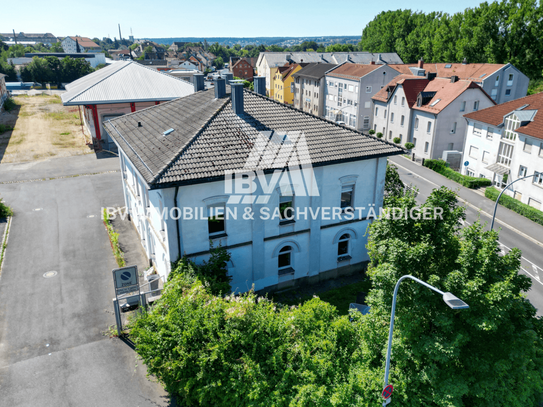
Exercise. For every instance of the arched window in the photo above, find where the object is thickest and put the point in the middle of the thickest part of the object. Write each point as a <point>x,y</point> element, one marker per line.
<point>343,245</point>
<point>284,261</point>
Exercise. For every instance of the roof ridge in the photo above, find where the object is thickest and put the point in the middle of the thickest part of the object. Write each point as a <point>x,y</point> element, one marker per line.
<point>189,143</point>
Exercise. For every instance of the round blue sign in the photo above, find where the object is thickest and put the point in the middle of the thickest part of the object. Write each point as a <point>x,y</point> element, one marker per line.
<point>126,275</point>
<point>466,163</point>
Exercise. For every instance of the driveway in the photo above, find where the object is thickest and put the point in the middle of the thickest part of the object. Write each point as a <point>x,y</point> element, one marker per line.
<point>53,351</point>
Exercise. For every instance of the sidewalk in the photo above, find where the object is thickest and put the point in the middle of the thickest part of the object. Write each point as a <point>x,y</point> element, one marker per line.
<point>476,199</point>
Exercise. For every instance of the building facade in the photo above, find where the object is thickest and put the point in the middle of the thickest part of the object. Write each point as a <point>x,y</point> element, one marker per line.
<point>309,85</point>
<point>504,143</point>
<point>69,45</point>
<point>284,83</point>
<point>349,89</point>
<point>266,253</point>
<point>45,38</point>
<point>503,82</point>
<point>244,68</point>
<point>267,60</point>
<point>427,112</point>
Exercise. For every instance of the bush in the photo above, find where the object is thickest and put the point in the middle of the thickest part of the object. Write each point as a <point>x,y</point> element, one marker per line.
<point>114,240</point>
<point>379,135</point>
<point>409,145</point>
<point>4,128</point>
<point>397,140</point>
<point>515,205</point>
<point>247,351</point>
<point>442,168</point>
<point>371,131</point>
<point>213,273</point>
<point>9,104</point>
<point>5,210</point>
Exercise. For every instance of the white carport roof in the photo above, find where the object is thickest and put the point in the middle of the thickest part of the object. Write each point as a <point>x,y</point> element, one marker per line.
<point>123,82</point>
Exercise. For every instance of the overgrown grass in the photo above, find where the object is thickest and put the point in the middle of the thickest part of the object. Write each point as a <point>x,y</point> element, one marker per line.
<point>26,114</point>
<point>5,210</point>
<point>339,297</point>
<point>55,99</point>
<point>59,115</point>
<point>515,205</point>
<point>114,240</point>
<point>442,167</point>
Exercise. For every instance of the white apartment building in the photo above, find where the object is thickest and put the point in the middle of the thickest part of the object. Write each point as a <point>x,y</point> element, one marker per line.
<point>504,143</point>
<point>349,91</point>
<point>503,82</point>
<point>177,156</point>
<point>308,88</point>
<point>69,45</point>
<point>427,112</point>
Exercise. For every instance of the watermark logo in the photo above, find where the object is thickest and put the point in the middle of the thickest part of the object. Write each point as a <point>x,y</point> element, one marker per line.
<point>293,174</point>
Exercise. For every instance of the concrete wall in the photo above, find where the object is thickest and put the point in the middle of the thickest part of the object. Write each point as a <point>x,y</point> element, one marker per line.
<point>255,243</point>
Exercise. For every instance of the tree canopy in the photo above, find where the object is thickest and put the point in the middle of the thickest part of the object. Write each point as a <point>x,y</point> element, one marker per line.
<point>498,32</point>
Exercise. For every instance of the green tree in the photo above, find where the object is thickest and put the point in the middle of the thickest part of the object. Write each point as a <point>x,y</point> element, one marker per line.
<point>489,355</point>
<point>218,63</point>
<point>57,47</point>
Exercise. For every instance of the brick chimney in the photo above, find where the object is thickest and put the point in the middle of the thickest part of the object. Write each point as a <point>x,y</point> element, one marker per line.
<point>421,63</point>
<point>372,62</point>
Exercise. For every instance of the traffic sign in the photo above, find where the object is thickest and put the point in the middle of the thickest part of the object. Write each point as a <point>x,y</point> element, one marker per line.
<point>387,391</point>
<point>466,163</point>
<point>126,280</point>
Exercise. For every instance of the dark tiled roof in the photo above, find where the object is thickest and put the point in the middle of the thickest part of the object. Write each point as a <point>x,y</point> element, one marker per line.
<point>494,115</point>
<point>314,71</point>
<point>209,138</point>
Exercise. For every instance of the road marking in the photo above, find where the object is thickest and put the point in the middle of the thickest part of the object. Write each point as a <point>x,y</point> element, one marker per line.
<point>524,235</point>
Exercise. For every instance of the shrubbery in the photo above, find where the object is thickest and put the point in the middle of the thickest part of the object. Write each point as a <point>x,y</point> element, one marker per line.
<point>515,205</point>
<point>5,210</point>
<point>248,351</point>
<point>9,104</point>
<point>442,168</point>
<point>379,135</point>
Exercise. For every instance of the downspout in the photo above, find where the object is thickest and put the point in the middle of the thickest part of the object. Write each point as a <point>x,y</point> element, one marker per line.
<point>177,221</point>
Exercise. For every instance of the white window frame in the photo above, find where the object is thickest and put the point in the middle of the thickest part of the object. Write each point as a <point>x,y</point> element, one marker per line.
<point>341,240</point>
<point>522,171</point>
<point>463,106</point>
<point>474,152</point>
<point>429,127</point>
<point>538,179</point>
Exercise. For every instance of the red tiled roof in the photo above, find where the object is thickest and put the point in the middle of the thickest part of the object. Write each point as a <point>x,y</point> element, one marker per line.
<point>494,115</point>
<point>446,92</point>
<point>85,42</point>
<point>411,84</point>
<point>475,72</point>
<point>353,71</point>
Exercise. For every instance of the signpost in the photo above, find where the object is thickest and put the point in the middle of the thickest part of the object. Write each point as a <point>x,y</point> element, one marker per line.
<point>466,163</point>
<point>126,281</point>
<point>387,392</point>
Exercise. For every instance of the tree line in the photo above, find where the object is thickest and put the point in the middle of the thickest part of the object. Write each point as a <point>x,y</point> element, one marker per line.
<point>497,32</point>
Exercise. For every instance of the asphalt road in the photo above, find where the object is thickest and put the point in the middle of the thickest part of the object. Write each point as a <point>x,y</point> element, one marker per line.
<point>515,230</point>
<point>53,351</point>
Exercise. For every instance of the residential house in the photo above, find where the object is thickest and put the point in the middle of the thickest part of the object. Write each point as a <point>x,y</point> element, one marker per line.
<point>349,89</point>
<point>177,46</point>
<point>283,83</point>
<point>177,191</point>
<point>44,38</point>
<point>120,88</point>
<point>119,54</point>
<point>244,68</point>
<point>70,44</point>
<point>503,82</point>
<point>504,143</point>
<point>4,94</point>
<point>154,51</point>
<point>268,60</point>
<point>427,112</point>
<point>309,84</point>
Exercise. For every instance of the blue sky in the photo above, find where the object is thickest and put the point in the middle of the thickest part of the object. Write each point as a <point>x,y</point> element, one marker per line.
<point>211,18</point>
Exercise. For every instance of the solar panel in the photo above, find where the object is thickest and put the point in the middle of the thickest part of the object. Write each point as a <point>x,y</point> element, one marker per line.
<point>448,66</point>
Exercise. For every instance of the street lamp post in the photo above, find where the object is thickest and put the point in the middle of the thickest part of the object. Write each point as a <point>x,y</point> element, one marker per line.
<point>449,299</point>
<point>500,195</point>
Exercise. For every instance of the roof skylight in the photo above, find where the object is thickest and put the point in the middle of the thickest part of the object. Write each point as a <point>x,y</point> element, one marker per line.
<point>435,102</point>
<point>448,66</point>
<point>167,132</point>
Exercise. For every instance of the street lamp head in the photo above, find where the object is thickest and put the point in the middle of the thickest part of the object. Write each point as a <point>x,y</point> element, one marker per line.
<point>454,302</point>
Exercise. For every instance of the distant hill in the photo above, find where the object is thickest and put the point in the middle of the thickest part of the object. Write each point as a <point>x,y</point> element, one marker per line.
<point>281,41</point>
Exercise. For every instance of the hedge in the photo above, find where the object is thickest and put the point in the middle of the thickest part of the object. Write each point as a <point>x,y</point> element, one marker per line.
<point>442,168</point>
<point>515,205</point>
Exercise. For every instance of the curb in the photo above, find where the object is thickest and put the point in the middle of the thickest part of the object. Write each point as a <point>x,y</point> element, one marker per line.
<point>4,243</point>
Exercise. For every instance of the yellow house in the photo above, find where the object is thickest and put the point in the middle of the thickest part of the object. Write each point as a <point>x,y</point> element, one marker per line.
<point>282,83</point>
<point>273,73</point>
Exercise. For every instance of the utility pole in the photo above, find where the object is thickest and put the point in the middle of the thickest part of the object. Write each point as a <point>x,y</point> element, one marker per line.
<point>14,37</point>
<point>120,36</point>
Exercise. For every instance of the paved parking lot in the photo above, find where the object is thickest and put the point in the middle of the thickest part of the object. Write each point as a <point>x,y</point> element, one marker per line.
<point>53,351</point>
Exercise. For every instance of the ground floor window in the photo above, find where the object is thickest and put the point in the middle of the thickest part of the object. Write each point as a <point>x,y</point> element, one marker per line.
<point>343,246</point>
